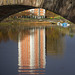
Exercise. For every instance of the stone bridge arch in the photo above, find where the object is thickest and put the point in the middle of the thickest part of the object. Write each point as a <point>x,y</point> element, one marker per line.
<point>65,8</point>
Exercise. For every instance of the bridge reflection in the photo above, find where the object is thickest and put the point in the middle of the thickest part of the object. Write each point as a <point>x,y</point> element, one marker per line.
<point>31,52</point>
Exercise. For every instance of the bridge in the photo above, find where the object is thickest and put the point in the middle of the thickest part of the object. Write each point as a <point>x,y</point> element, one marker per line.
<point>65,8</point>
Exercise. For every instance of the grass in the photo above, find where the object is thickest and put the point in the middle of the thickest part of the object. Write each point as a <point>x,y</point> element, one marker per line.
<point>21,19</point>
<point>25,24</point>
<point>5,24</point>
<point>29,21</point>
<point>57,17</point>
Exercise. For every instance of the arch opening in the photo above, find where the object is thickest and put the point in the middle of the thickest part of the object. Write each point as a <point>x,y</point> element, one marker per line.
<point>8,10</point>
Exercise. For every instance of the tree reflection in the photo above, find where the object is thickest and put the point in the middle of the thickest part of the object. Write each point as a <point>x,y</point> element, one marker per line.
<point>3,36</point>
<point>8,34</point>
<point>55,41</point>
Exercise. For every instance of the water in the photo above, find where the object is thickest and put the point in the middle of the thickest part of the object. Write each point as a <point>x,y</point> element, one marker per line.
<point>36,51</point>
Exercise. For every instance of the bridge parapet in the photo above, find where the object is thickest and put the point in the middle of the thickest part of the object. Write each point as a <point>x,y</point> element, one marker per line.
<point>36,3</point>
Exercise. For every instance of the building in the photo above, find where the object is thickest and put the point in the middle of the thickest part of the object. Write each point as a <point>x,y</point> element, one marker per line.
<point>31,52</point>
<point>37,13</point>
<point>31,13</point>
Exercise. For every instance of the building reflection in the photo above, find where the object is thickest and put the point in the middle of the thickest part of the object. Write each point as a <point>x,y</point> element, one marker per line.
<point>31,52</point>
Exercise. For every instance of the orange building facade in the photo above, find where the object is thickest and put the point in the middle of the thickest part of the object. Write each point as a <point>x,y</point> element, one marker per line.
<point>36,13</point>
<point>31,52</point>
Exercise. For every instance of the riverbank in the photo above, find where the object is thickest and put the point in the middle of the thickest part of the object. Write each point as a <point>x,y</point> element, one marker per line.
<point>25,23</point>
<point>51,20</point>
<point>31,22</point>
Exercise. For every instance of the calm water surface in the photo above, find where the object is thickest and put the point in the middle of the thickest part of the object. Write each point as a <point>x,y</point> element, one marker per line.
<point>36,51</point>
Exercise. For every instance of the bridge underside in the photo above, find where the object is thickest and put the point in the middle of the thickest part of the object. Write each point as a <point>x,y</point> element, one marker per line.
<point>64,8</point>
<point>8,10</point>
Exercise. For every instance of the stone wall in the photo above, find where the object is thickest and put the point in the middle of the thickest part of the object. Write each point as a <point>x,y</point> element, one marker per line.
<point>65,8</point>
<point>35,3</point>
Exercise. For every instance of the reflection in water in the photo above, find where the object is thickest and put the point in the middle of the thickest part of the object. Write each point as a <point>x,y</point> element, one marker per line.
<point>7,34</point>
<point>55,42</point>
<point>33,43</point>
<point>31,52</point>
